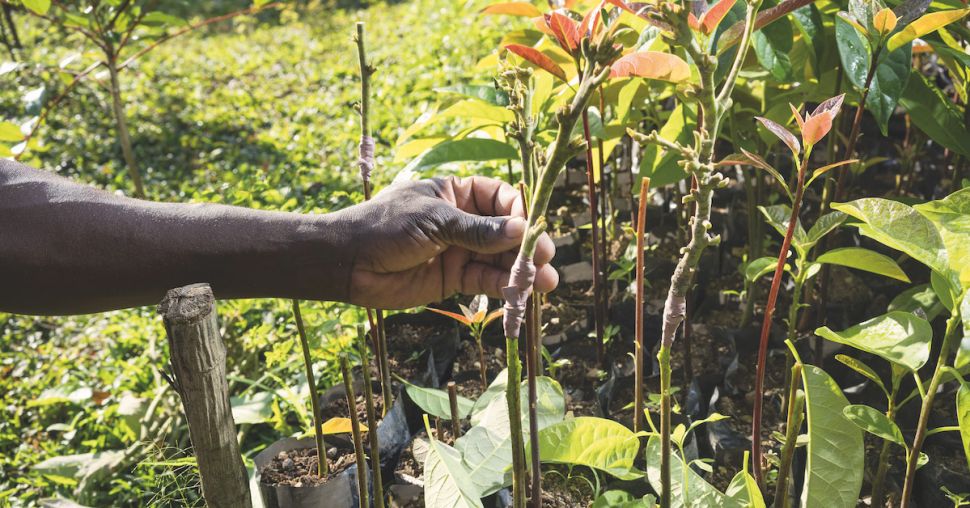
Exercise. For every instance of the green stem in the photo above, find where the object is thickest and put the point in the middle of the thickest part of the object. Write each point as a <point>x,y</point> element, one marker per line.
<point>375,448</point>
<point>514,398</point>
<point>663,358</point>
<point>793,424</point>
<point>322,466</point>
<point>879,481</point>
<point>950,341</point>
<point>355,431</point>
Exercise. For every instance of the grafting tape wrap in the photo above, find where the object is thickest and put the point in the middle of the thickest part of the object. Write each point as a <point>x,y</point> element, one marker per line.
<point>517,294</point>
<point>675,308</point>
<point>366,160</point>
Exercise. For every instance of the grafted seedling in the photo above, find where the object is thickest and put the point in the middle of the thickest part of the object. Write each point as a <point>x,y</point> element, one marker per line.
<point>375,447</point>
<point>322,467</point>
<point>476,317</point>
<point>355,431</point>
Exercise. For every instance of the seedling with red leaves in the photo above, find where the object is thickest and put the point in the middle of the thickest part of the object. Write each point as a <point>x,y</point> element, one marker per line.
<point>476,319</point>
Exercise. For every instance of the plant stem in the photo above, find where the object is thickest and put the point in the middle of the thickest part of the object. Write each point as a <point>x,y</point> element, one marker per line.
<point>638,347</point>
<point>482,370</point>
<point>355,431</point>
<point>592,197</point>
<point>879,481</point>
<point>759,386</point>
<point>663,358</point>
<point>950,341</point>
<point>375,447</point>
<point>121,123</point>
<point>856,125</point>
<point>513,398</point>
<point>453,403</point>
<point>322,466</point>
<point>532,337</point>
<point>793,424</point>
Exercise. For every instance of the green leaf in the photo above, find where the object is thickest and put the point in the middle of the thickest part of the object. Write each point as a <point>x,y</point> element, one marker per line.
<point>596,443</point>
<point>158,18</point>
<point>623,499</point>
<point>925,24</point>
<point>951,216</point>
<point>824,225</point>
<point>80,466</point>
<point>38,6</point>
<point>436,402</point>
<point>900,227</point>
<point>935,115</point>
<point>864,259</point>
<point>897,337</point>
<point>778,217</point>
<point>486,93</point>
<point>874,422</point>
<point>833,473</point>
<point>696,493</point>
<point>9,131</point>
<point>943,290</point>
<point>254,408</point>
<point>663,168</point>
<point>863,369</point>
<point>759,268</point>
<point>963,417</point>
<point>468,149</point>
<point>486,448</point>
<point>447,483</point>
<point>772,45</point>
<point>921,297</point>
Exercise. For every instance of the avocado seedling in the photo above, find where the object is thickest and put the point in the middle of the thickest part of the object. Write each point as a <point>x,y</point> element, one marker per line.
<point>475,317</point>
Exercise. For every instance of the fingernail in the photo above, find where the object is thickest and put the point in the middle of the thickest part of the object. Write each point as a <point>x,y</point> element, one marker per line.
<point>514,228</point>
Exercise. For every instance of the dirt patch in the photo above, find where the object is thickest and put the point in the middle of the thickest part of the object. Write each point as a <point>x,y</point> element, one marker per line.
<point>298,468</point>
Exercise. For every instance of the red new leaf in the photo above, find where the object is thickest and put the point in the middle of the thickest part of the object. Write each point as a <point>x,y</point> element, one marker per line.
<point>782,133</point>
<point>712,18</point>
<point>537,58</point>
<point>651,65</point>
<point>565,29</point>
<point>513,9</point>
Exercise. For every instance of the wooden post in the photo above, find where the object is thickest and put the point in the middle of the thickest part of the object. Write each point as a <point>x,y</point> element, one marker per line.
<point>198,358</point>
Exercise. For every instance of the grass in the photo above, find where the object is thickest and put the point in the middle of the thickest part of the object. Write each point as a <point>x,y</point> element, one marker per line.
<point>254,112</point>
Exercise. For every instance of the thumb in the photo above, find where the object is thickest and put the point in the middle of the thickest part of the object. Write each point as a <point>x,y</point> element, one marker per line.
<point>484,234</point>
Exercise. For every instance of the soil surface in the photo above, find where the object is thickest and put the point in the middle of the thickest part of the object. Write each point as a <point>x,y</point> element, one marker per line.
<point>338,408</point>
<point>298,468</point>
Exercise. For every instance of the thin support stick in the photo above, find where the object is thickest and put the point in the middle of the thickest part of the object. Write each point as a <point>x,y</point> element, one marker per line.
<point>375,446</point>
<point>592,197</point>
<point>322,469</point>
<point>639,346</point>
<point>453,403</point>
<point>355,431</point>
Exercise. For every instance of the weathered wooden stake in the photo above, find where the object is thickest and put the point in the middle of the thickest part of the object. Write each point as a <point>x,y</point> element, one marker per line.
<point>198,358</point>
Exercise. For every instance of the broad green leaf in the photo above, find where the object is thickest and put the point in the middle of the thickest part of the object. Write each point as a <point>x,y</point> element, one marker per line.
<point>436,402</point>
<point>772,45</point>
<point>744,489</point>
<point>874,422</point>
<point>935,115</point>
<point>864,259</point>
<point>80,466</point>
<point>473,108</point>
<point>951,216</point>
<point>943,290</point>
<point>10,131</point>
<point>663,167</point>
<point>495,390</point>
<point>255,408</point>
<point>447,483</point>
<point>863,369</point>
<point>897,337</point>
<point>963,417</point>
<point>759,268</point>
<point>824,225</point>
<point>486,448</point>
<point>623,499</point>
<point>962,361</point>
<point>38,6</point>
<point>899,227</point>
<point>836,456</point>
<point>925,24</point>
<point>921,297</point>
<point>463,150</point>
<point>592,442</point>
<point>697,493</point>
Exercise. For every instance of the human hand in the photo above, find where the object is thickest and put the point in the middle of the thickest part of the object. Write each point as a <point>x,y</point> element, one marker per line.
<point>421,242</point>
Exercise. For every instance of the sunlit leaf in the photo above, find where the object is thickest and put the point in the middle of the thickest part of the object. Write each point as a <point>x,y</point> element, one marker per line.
<point>925,24</point>
<point>885,21</point>
<point>538,58</point>
<point>963,417</point>
<point>596,443</point>
<point>38,6</point>
<point>874,422</point>
<point>513,9</point>
<point>462,150</point>
<point>651,65</point>
<point>565,30</point>
<point>864,259</point>
<point>864,370</point>
<point>828,167</point>
<point>898,337</point>
<point>782,133</point>
<point>713,16</point>
<point>340,425</point>
<point>10,131</point>
<point>457,317</point>
<point>436,402</point>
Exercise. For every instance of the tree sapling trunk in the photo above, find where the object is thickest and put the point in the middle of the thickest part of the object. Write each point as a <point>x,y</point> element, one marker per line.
<point>322,468</point>
<point>453,406</point>
<point>375,448</point>
<point>638,415</point>
<point>121,123</point>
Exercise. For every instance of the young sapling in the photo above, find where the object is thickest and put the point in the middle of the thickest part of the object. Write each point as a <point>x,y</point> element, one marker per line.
<point>355,431</point>
<point>476,317</point>
<point>322,467</point>
<point>638,415</point>
<point>375,454</point>
<point>453,406</point>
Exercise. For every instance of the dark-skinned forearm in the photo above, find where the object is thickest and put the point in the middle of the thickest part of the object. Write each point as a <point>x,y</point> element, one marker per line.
<point>67,248</point>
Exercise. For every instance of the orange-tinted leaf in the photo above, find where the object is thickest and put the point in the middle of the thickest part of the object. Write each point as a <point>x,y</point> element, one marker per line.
<point>537,58</point>
<point>591,20</point>
<point>622,5</point>
<point>712,18</point>
<point>732,35</point>
<point>834,105</point>
<point>693,22</point>
<point>885,21</point>
<point>651,65</point>
<point>782,133</point>
<point>492,316</point>
<point>565,30</point>
<point>457,317</point>
<point>513,9</point>
<point>798,117</point>
<point>927,23</point>
<point>339,426</point>
<point>540,24</point>
<point>816,127</point>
